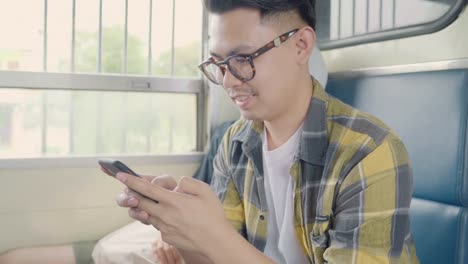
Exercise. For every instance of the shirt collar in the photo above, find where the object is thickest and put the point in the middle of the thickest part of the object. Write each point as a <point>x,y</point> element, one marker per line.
<point>314,138</point>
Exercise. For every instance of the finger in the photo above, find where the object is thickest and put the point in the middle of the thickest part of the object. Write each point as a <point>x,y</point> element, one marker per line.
<point>154,249</point>
<point>192,186</point>
<point>180,259</point>
<point>155,243</point>
<point>133,198</point>
<point>156,222</point>
<point>155,256</point>
<point>132,193</point>
<point>162,255</point>
<point>139,215</point>
<point>148,178</point>
<point>165,181</point>
<point>169,255</point>
<point>141,186</point>
<point>179,190</point>
<point>106,171</point>
<point>126,200</point>
<point>175,255</point>
<point>153,209</point>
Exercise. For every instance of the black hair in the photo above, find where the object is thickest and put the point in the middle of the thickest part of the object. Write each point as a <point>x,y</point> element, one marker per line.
<point>305,8</point>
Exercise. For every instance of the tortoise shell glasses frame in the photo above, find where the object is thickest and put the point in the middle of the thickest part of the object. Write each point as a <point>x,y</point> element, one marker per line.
<point>240,65</point>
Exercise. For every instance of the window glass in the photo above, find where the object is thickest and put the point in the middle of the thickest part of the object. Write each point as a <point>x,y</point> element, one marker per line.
<point>21,47</point>
<point>345,19</point>
<point>39,123</point>
<point>43,38</point>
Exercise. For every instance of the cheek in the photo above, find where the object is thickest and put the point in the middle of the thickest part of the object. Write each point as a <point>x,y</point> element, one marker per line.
<point>273,75</point>
<point>275,70</point>
<point>272,87</point>
<point>271,97</point>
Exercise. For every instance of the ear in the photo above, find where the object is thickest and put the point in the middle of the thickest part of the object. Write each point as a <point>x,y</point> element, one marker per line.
<point>305,42</point>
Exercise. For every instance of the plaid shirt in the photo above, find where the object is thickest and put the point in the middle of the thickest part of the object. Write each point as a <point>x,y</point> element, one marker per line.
<point>353,185</point>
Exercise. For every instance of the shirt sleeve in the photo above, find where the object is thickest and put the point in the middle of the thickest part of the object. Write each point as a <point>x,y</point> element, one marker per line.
<point>371,218</point>
<point>223,185</point>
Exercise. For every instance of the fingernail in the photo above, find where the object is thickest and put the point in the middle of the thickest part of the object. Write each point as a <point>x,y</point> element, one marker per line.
<point>132,201</point>
<point>143,215</point>
<point>121,177</point>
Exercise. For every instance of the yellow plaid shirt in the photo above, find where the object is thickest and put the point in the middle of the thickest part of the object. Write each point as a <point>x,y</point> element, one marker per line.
<point>353,185</point>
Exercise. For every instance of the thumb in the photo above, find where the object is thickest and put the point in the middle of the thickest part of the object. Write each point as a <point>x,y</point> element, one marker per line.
<point>148,178</point>
<point>165,181</point>
<point>192,186</point>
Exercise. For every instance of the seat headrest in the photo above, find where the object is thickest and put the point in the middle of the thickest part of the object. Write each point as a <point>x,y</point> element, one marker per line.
<point>317,67</point>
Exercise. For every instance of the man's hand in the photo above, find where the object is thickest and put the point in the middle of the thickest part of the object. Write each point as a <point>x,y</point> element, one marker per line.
<point>165,253</point>
<point>190,217</point>
<point>129,198</point>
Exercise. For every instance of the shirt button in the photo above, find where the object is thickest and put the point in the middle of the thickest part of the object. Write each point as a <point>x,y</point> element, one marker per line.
<point>262,217</point>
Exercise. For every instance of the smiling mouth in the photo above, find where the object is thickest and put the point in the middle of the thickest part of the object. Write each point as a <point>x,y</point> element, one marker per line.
<point>243,100</point>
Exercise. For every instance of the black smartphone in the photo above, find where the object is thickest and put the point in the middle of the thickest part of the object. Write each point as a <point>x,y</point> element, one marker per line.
<point>112,167</point>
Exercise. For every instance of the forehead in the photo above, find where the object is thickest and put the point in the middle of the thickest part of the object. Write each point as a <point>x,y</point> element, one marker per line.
<point>240,27</point>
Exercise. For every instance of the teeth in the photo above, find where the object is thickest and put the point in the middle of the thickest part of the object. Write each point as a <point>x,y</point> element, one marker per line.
<point>242,98</point>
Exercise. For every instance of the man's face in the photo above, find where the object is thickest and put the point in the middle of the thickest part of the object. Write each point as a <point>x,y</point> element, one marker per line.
<point>271,92</point>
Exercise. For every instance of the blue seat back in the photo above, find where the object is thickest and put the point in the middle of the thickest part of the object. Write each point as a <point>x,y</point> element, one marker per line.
<point>429,110</point>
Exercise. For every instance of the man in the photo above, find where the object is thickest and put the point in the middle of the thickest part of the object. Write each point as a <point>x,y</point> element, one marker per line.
<point>302,177</point>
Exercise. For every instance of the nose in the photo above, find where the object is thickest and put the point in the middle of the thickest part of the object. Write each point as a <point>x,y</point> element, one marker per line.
<point>230,81</point>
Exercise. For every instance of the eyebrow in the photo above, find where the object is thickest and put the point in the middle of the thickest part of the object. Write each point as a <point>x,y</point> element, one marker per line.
<point>234,51</point>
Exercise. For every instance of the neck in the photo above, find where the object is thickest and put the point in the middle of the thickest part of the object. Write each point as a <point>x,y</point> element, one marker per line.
<point>281,128</point>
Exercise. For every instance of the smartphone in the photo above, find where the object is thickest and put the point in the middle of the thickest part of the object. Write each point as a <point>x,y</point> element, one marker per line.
<point>112,167</point>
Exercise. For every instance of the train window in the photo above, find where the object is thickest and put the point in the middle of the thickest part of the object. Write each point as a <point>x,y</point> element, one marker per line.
<point>155,37</point>
<point>343,23</point>
<point>94,122</point>
<point>95,77</point>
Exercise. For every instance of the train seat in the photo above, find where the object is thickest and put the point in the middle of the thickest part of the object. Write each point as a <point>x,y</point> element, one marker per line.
<point>429,111</point>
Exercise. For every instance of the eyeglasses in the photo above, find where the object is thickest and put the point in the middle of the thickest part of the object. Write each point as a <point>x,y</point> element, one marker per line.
<point>240,65</point>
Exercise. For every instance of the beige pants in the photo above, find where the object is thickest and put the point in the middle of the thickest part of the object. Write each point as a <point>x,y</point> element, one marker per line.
<point>129,244</point>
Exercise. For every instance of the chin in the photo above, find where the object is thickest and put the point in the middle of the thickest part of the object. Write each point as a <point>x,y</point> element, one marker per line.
<point>250,115</point>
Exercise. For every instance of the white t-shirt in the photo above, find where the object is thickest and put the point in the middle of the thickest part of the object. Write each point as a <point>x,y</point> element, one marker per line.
<point>282,244</point>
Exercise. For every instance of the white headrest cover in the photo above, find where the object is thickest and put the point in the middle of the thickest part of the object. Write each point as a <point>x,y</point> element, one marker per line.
<point>317,67</point>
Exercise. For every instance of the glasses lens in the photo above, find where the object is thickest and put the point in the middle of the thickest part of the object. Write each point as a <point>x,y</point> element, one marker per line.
<point>241,68</point>
<point>214,73</point>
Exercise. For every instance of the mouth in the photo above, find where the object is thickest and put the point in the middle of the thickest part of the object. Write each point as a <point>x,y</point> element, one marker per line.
<point>244,101</point>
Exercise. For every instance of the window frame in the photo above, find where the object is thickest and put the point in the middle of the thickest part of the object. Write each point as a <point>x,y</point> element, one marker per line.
<point>91,161</point>
<point>111,82</point>
<point>403,32</point>
<point>123,82</point>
